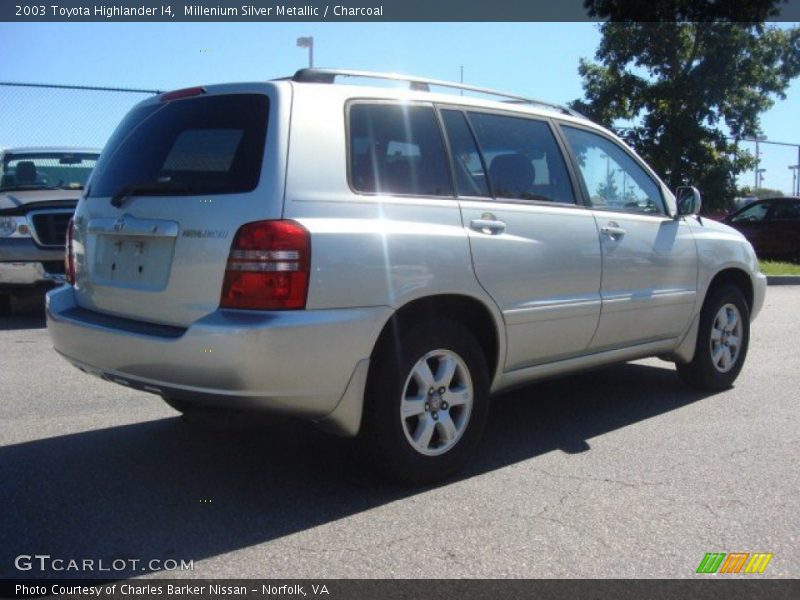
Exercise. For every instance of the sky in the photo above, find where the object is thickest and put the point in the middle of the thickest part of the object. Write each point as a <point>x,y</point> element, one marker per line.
<point>529,59</point>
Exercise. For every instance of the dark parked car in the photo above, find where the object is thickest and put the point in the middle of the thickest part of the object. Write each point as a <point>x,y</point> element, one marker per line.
<point>772,226</point>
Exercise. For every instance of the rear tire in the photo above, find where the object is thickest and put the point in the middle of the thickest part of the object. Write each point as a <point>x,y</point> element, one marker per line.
<point>427,401</point>
<point>722,341</point>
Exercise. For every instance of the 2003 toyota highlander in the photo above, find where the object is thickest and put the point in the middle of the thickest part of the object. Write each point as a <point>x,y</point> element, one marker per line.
<point>380,260</point>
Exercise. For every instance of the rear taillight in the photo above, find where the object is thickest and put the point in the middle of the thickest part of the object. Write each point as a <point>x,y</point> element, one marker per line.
<point>69,256</point>
<point>268,267</point>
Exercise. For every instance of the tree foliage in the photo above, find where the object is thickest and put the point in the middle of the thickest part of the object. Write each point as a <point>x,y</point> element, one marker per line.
<point>760,192</point>
<point>685,86</point>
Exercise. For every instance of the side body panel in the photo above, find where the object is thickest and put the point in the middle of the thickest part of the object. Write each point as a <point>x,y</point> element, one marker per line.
<point>544,272</point>
<point>369,249</point>
<point>649,279</point>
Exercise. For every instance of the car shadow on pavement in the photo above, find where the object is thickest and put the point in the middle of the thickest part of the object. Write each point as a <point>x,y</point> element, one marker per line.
<point>166,489</point>
<point>18,322</point>
<point>22,312</point>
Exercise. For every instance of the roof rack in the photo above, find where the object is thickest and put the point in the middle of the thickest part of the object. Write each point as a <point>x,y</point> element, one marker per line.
<point>420,84</point>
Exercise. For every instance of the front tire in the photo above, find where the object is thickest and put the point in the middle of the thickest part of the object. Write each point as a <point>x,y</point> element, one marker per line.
<point>427,401</point>
<point>722,341</point>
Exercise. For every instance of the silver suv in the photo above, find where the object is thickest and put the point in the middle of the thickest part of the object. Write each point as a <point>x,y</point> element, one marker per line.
<point>380,260</point>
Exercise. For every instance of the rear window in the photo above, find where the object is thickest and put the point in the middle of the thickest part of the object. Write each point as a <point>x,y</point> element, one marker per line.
<point>202,145</point>
<point>397,149</point>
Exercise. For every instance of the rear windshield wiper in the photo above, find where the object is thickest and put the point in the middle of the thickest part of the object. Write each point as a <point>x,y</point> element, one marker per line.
<point>149,188</point>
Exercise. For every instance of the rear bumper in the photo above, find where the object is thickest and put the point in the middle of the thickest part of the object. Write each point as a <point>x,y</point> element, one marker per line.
<point>22,265</point>
<point>293,362</point>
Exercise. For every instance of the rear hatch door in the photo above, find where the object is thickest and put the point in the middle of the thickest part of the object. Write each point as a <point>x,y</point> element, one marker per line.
<point>176,180</point>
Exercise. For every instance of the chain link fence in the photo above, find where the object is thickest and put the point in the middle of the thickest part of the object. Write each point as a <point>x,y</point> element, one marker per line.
<point>39,114</point>
<point>35,114</point>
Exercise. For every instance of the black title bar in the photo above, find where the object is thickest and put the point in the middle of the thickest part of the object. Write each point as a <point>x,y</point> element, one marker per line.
<point>702,587</point>
<point>344,11</point>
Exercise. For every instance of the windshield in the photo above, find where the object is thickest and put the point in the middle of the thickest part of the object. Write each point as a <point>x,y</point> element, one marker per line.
<point>51,170</point>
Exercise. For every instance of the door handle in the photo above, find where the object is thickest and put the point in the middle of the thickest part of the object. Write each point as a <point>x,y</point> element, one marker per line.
<point>613,230</point>
<point>488,226</point>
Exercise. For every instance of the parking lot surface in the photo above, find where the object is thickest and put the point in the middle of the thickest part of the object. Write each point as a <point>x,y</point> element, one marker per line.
<point>620,472</point>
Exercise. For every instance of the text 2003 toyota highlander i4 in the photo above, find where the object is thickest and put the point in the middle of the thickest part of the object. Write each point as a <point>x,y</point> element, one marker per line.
<point>39,188</point>
<point>380,260</point>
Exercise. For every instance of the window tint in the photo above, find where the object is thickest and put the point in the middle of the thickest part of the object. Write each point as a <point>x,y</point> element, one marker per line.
<point>523,158</point>
<point>397,149</point>
<point>204,150</point>
<point>469,172</point>
<point>613,179</point>
<point>785,210</point>
<point>756,212</point>
<point>202,145</point>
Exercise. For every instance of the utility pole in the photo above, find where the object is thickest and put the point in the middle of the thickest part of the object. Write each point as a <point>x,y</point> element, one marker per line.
<point>795,187</point>
<point>307,42</point>
<point>757,139</point>
<point>758,160</point>
<point>608,166</point>
<point>763,138</point>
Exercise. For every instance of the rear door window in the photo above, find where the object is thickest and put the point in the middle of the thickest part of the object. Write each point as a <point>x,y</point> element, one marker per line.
<point>397,149</point>
<point>201,145</point>
<point>784,211</point>
<point>523,158</point>
<point>467,165</point>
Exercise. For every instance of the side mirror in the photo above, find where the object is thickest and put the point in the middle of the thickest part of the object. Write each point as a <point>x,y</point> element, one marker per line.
<point>688,200</point>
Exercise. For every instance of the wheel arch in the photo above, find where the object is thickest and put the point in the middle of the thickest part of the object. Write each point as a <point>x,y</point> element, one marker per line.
<point>705,368</point>
<point>474,314</point>
<point>735,276</point>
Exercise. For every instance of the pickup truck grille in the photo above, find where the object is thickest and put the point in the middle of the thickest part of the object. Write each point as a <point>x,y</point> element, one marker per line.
<point>51,227</point>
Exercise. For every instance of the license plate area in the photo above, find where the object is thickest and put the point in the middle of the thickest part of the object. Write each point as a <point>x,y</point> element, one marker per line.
<point>141,262</point>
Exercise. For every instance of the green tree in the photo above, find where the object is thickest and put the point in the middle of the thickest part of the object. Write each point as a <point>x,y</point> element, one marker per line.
<point>760,192</point>
<point>682,71</point>
<point>608,189</point>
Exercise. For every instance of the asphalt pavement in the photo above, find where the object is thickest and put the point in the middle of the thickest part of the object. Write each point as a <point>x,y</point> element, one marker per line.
<point>620,472</point>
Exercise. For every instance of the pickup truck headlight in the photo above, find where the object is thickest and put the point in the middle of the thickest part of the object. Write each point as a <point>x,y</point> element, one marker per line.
<point>14,227</point>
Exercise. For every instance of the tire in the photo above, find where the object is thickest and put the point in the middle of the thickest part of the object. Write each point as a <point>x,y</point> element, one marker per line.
<point>722,340</point>
<point>443,423</point>
<point>5,305</point>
